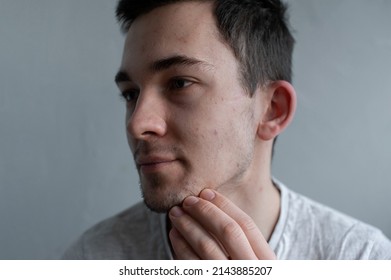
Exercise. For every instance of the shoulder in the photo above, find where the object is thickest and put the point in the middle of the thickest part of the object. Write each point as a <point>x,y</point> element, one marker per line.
<point>130,234</point>
<point>325,233</point>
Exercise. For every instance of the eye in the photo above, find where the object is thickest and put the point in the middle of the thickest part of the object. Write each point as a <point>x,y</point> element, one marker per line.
<point>130,95</point>
<point>179,83</point>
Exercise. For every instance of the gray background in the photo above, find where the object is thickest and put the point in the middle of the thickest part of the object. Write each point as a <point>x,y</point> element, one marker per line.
<point>64,160</point>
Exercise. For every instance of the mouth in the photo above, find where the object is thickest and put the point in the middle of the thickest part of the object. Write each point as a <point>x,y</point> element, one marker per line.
<point>149,165</point>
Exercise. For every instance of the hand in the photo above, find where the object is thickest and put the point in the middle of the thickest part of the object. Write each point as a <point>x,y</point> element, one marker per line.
<point>211,227</point>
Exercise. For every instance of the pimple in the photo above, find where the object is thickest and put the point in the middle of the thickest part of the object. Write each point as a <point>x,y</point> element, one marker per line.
<point>215,132</point>
<point>183,40</point>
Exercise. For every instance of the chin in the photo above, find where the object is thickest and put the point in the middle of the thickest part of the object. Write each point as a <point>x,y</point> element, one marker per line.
<point>162,202</point>
<point>161,198</point>
<point>159,206</point>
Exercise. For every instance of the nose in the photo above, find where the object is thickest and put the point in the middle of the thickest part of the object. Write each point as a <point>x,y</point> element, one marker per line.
<point>148,117</point>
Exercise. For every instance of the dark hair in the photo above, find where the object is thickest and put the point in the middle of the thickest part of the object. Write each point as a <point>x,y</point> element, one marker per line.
<point>256,30</point>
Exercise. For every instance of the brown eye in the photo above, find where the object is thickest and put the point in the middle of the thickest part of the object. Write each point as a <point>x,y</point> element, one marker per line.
<point>130,95</point>
<point>179,83</point>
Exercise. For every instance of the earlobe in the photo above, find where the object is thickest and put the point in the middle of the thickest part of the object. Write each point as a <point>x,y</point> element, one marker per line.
<point>280,109</point>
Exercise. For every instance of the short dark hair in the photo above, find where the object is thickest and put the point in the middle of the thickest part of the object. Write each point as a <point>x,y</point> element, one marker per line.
<point>256,30</point>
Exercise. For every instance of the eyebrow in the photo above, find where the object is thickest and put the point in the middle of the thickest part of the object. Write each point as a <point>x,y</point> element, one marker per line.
<point>164,64</point>
<point>121,76</point>
<point>177,60</point>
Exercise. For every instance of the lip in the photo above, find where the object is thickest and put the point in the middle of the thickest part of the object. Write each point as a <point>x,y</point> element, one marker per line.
<point>153,164</point>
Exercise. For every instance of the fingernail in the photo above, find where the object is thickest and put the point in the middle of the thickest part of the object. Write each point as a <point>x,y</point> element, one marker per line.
<point>176,211</point>
<point>208,194</point>
<point>190,200</point>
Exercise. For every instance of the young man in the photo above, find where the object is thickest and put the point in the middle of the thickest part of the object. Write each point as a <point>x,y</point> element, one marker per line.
<point>207,91</point>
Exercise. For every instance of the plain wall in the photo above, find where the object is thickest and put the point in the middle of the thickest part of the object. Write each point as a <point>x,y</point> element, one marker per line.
<point>64,159</point>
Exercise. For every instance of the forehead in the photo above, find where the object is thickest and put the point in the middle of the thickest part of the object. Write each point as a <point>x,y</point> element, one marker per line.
<point>186,28</point>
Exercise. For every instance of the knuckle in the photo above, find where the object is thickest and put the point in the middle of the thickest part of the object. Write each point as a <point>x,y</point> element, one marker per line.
<point>185,224</point>
<point>205,207</point>
<point>177,242</point>
<point>247,224</point>
<point>223,203</point>
<point>231,230</point>
<point>207,246</point>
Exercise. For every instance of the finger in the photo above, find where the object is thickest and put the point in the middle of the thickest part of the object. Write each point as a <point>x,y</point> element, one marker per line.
<point>257,241</point>
<point>182,249</point>
<point>201,242</point>
<point>220,225</point>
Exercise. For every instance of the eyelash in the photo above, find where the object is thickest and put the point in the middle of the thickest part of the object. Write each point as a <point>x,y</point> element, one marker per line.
<point>129,95</point>
<point>132,94</point>
<point>173,85</point>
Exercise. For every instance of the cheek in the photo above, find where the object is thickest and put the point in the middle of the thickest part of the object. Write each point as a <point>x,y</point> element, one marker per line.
<point>211,145</point>
<point>211,132</point>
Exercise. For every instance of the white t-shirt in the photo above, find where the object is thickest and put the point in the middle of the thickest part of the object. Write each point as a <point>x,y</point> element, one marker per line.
<point>309,230</point>
<point>305,230</point>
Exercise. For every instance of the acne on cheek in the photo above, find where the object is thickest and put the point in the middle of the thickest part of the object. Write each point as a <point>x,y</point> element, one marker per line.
<point>182,39</point>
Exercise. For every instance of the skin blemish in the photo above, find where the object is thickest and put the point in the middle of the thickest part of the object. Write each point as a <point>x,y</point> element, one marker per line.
<point>183,39</point>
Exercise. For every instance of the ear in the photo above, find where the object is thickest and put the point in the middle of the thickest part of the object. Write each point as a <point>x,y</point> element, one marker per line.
<point>280,108</point>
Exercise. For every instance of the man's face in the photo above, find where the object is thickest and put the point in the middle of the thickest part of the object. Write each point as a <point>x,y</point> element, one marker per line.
<point>190,123</point>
